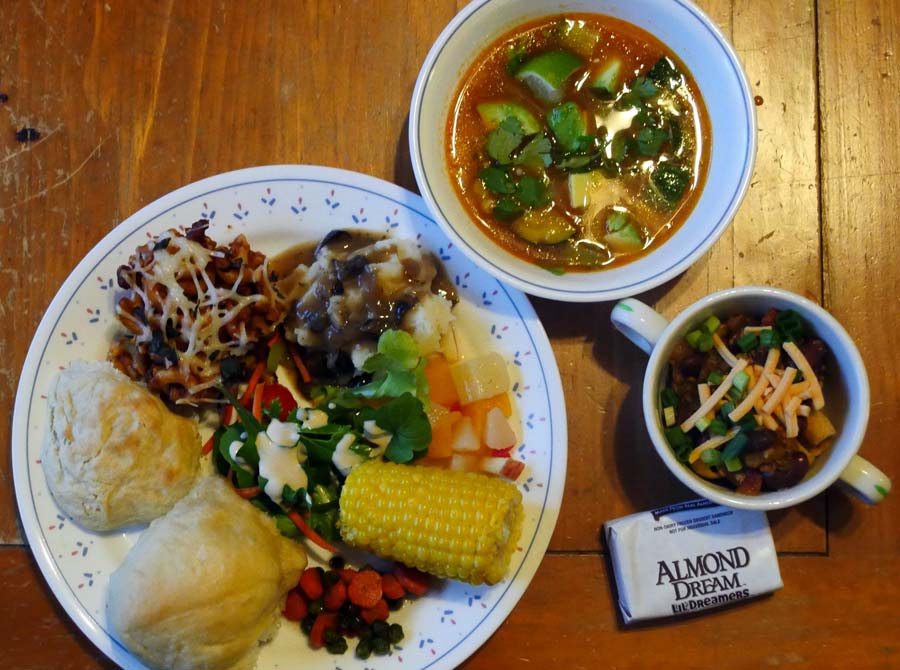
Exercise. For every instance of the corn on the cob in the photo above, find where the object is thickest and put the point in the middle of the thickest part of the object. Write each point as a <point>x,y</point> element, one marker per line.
<point>460,525</point>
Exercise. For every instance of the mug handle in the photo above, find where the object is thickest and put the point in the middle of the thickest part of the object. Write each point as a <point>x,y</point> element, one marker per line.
<point>640,323</point>
<point>865,481</point>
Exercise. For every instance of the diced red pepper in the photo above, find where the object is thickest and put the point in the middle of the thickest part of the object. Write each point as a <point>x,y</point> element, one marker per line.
<point>311,583</point>
<point>273,392</point>
<point>335,596</point>
<point>324,622</point>
<point>295,607</point>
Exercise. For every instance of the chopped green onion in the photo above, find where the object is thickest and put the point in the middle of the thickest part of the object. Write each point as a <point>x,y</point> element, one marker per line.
<point>711,457</point>
<point>681,444</point>
<point>740,381</point>
<point>789,325</point>
<point>748,342</point>
<point>704,343</point>
<point>733,464</point>
<point>702,423</point>
<point>735,393</point>
<point>748,423</point>
<point>717,427</point>
<point>715,378</point>
<point>726,409</point>
<point>693,338</point>
<point>669,398</point>
<point>770,339</point>
<point>711,324</point>
<point>735,446</point>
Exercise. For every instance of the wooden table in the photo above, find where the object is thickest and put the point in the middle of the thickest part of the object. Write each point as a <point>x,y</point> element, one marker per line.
<point>133,99</point>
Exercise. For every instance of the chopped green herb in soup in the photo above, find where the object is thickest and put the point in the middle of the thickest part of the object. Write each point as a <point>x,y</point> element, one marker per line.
<point>578,142</point>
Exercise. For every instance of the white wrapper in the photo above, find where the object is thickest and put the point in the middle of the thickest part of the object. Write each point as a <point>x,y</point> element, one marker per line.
<point>690,556</point>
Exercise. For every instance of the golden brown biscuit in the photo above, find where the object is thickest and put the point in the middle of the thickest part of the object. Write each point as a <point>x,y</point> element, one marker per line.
<point>205,584</point>
<point>114,454</point>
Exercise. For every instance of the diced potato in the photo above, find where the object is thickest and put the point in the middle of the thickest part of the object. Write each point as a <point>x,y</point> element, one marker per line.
<point>497,432</point>
<point>465,439</point>
<point>481,377</point>
<point>818,428</point>
<point>464,462</point>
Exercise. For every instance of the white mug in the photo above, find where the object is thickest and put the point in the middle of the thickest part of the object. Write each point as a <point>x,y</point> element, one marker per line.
<point>846,393</point>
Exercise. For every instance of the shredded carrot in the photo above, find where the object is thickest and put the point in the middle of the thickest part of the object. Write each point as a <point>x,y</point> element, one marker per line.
<point>209,444</point>
<point>254,380</point>
<point>273,339</point>
<point>257,401</point>
<point>365,589</point>
<point>300,522</point>
<point>247,493</point>
<point>304,373</point>
<point>227,415</point>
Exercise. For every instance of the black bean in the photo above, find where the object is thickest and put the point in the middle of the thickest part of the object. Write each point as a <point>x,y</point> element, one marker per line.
<point>760,440</point>
<point>337,563</point>
<point>197,231</point>
<point>787,472</point>
<point>4,97</point>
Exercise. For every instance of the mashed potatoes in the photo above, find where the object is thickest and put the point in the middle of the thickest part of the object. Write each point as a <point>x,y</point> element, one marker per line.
<point>360,286</point>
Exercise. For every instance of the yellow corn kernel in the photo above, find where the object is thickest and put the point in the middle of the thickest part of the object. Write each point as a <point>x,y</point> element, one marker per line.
<point>461,525</point>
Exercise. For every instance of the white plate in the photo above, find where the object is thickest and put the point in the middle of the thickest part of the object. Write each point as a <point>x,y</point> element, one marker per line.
<point>275,207</point>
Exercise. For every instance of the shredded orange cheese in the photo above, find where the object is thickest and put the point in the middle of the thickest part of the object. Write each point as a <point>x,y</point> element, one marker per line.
<point>815,389</point>
<point>710,403</point>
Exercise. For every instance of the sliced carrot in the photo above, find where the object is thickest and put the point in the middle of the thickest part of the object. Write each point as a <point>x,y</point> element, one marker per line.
<point>295,607</point>
<point>304,373</point>
<point>414,581</point>
<point>227,415</point>
<point>441,445</point>
<point>391,587</point>
<point>300,522</point>
<point>257,401</point>
<point>209,444</point>
<point>478,411</point>
<point>254,380</point>
<point>311,583</point>
<point>247,493</point>
<point>365,589</point>
<point>324,622</point>
<point>440,382</point>
<point>377,613</point>
<point>335,596</point>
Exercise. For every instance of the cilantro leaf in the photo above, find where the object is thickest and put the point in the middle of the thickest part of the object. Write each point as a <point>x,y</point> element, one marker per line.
<point>671,181</point>
<point>536,153</point>
<point>644,88</point>
<point>665,74</point>
<point>504,139</point>
<point>649,140</point>
<point>532,192</point>
<point>395,368</point>
<point>496,179</point>
<point>405,419</point>
<point>507,209</point>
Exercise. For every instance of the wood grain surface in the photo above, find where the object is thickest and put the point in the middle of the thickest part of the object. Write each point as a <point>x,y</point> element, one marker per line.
<point>134,99</point>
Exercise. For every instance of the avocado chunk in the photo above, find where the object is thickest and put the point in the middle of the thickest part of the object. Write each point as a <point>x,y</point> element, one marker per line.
<point>605,84</point>
<point>568,124</point>
<point>622,235</point>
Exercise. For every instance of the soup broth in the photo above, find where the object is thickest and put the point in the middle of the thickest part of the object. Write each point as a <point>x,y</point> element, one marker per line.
<point>578,142</point>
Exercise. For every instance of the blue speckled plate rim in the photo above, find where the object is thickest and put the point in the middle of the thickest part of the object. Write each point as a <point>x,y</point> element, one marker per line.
<point>268,174</point>
<point>749,159</point>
